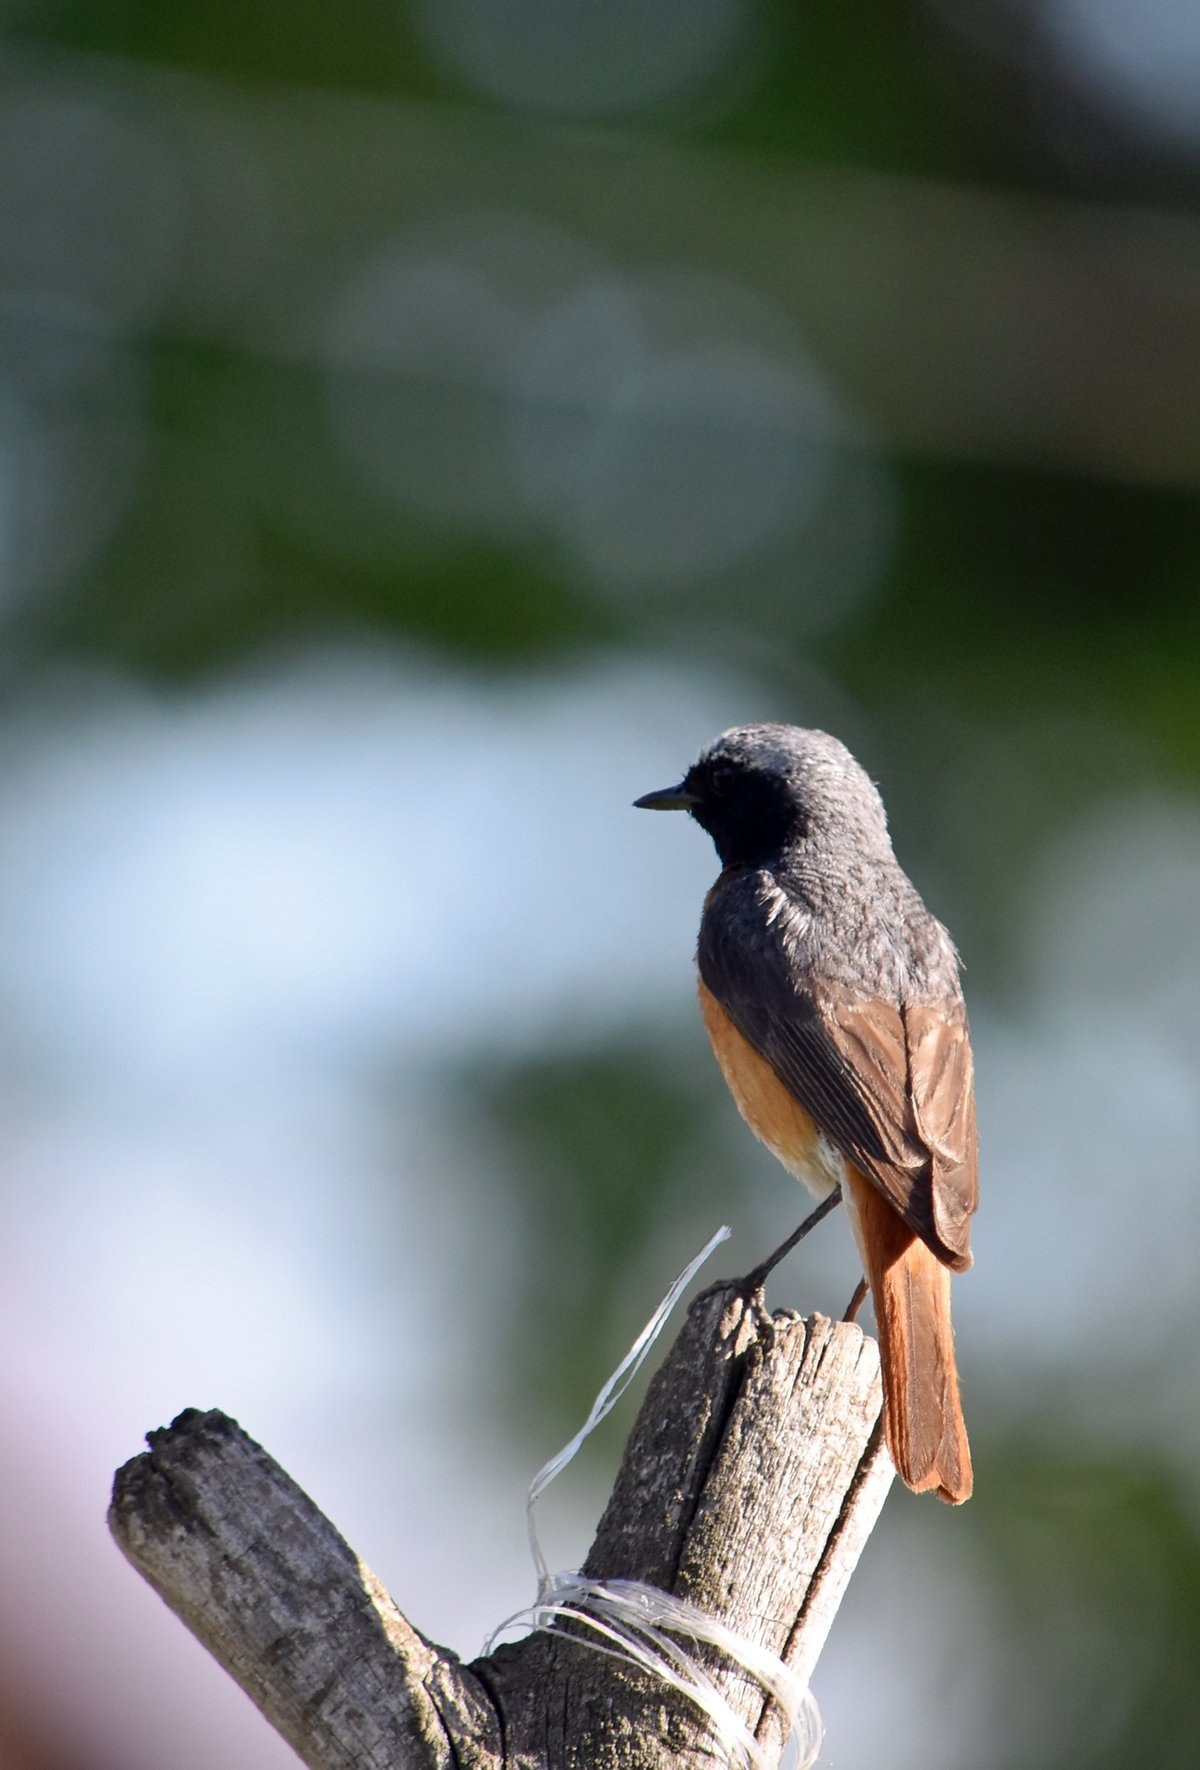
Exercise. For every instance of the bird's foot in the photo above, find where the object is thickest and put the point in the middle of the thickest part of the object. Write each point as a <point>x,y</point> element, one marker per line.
<point>751,1294</point>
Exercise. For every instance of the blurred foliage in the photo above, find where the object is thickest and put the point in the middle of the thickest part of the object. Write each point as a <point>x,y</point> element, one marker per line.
<point>241,585</point>
<point>876,84</point>
<point>870,93</point>
<point>1096,1564</point>
<point>1010,596</point>
<point>591,1141</point>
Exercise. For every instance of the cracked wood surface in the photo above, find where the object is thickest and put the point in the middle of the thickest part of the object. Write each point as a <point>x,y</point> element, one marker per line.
<point>751,1481</point>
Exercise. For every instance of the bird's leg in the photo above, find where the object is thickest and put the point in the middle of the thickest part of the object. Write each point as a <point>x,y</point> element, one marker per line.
<point>857,1300</point>
<point>752,1286</point>
<point>756,1279</point>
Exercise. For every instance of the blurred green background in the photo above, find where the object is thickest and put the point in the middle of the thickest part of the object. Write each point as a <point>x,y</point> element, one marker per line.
<point>421,428</point>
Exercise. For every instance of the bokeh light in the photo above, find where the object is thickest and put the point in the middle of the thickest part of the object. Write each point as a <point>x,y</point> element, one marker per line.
<point>590,58</point>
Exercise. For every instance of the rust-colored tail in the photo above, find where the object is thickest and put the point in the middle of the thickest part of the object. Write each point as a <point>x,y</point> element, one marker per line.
<point>910,1288</point>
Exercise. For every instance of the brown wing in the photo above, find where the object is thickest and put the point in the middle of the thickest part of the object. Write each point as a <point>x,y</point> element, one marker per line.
<point>912,1066</point>
<point>891,1086</point>
<point>941,1091</point>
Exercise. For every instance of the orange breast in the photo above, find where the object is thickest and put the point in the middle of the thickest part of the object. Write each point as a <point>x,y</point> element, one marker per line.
<point>774,1115</point>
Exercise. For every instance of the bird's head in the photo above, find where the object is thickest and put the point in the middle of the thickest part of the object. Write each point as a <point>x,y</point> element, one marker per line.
<point>761,789</point>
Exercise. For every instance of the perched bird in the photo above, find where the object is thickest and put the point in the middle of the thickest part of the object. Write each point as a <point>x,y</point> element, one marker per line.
<point>832,1000</point>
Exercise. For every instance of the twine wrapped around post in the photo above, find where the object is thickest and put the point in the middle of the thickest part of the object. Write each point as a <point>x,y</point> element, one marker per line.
<point>750,1483</point>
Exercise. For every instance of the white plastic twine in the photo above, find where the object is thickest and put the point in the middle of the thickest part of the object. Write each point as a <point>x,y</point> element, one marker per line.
<point>637,1623</point>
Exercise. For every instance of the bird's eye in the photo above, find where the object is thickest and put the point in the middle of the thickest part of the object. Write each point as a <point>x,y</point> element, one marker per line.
<point>720,778</point>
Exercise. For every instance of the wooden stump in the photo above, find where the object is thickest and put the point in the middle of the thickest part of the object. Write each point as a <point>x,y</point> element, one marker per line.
<point>751,1481</point>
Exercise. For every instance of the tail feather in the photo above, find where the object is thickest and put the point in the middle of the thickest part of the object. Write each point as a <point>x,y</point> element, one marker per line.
<point>911,1292</point>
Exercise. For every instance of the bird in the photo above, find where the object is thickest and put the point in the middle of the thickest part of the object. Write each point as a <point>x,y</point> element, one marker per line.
<point>832,1000</point>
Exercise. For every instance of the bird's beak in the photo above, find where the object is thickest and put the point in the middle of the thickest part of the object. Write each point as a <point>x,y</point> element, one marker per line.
<point>669,799</point>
